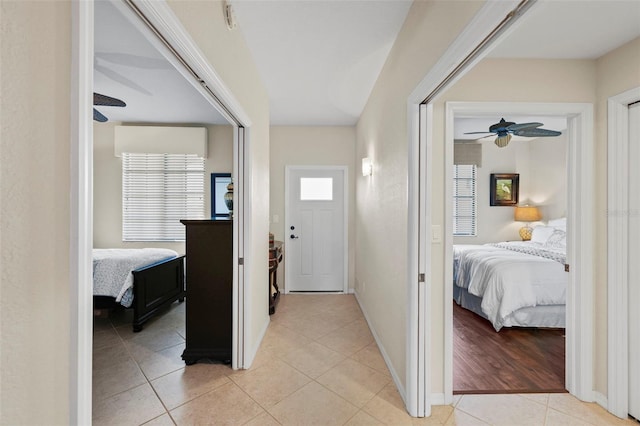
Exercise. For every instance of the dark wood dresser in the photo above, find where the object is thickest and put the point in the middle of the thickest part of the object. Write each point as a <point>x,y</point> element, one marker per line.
<point>209,282</point>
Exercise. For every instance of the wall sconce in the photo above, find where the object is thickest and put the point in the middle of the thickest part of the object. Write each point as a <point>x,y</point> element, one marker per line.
<point>367,167</point>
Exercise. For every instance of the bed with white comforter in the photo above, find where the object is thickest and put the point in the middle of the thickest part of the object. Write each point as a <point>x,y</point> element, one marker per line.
<point>512,283</point>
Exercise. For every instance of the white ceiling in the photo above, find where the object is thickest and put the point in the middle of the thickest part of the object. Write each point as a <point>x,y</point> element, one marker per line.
<point>128,67</point>
<point>320,59</point>
<point>572,29</point>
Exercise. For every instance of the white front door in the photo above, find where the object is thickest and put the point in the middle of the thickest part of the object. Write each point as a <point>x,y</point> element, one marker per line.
<point>634,266</point>
<point>315,228</point>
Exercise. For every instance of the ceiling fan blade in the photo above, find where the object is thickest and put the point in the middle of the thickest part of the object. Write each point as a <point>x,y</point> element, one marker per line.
<point>536,133</point>
<point>479,133</point>
<point>485,137</point>
<point>97,116</point>
<point>105,100</point>
<point>121,79</point>
<point>135,61</point>
<point>520,126</point>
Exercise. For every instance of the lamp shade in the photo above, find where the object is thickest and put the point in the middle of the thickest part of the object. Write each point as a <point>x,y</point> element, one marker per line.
<point>527,214</point>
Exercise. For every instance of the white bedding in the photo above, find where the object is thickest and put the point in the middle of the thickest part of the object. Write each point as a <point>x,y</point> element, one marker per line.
<point>112,270</point>
<point>509,280</point>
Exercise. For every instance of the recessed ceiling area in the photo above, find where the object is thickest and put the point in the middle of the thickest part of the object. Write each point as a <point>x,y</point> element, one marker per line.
<point>129,67</point>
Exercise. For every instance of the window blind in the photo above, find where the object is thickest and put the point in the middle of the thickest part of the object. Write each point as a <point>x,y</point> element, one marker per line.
<point>467,153</point>
<point>158,190</point>
<point>464,200</point>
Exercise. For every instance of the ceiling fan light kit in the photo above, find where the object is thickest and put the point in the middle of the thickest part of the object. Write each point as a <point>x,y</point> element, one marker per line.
<point>505,129</point>
<point>503,140</point>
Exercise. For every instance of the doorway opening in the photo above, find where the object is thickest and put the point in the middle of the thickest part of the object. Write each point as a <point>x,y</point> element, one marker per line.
<point>509,295</point>
<point>162,32</point>
<point>579,285</point>
<point>428,233</point>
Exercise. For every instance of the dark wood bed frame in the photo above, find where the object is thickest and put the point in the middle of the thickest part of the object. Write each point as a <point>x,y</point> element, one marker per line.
<point>154,287</point>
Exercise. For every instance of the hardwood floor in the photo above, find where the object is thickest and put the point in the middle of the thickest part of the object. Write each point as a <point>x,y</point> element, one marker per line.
<point>514,360</point>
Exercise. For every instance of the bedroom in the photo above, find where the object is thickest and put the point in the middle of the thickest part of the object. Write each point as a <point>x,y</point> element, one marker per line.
<point>500,357</point>
<point>162,109</point>
<point>542,82</point>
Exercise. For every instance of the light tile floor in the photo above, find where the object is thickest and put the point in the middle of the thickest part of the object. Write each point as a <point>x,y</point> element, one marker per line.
<point>318,365</point>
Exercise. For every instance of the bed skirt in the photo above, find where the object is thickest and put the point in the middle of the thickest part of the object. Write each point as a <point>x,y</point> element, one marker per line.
<point>542,316</point>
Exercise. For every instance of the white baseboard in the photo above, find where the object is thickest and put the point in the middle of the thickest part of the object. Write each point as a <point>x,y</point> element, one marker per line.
<point>437,399</point>
<point>601,400</point>
<point>394,375</point>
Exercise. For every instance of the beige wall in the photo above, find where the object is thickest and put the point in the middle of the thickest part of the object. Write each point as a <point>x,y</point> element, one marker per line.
<point>34,212</point>
<point>547,187</point>
<point>617,72</point>
<point>107,183</point>
<point>228,53</point>
<point>312,146</point>
<point>381,199</point>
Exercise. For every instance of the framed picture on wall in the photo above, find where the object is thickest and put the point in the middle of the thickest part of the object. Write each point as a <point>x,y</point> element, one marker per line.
<point>219,182</point>
<point>504,189</point>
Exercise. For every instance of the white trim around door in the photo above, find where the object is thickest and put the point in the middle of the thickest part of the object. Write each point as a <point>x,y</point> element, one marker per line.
<point>287,191</point>
<point>617,251</point>
<point>81,220</point>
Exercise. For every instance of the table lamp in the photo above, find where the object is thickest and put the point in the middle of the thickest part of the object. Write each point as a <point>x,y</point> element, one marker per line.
<point>526,214</point>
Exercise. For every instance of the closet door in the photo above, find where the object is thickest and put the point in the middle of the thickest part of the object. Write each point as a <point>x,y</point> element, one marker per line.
<point>634,266</point>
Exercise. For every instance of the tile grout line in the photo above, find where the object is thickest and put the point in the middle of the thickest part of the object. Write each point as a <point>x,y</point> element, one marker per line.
<point>148,380</point>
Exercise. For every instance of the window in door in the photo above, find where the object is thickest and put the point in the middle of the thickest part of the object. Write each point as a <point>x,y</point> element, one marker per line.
<point>316,189</point>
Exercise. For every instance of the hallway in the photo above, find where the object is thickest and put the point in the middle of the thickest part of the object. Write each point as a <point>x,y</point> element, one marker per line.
<point>318,364</point>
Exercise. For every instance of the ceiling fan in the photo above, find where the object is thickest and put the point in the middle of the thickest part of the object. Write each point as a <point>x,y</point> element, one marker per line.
<point>103,100</point>
<point>504,130</point>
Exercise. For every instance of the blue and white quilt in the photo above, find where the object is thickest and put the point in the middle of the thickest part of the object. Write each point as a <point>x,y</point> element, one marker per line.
<point>112,270</point>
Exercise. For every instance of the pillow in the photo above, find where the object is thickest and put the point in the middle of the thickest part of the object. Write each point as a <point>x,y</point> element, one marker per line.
<point>557,240</point>
<point>560,223</point>
<point>541,234</point>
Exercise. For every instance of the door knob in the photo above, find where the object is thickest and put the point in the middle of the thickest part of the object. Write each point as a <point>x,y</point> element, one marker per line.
<point>293,237</point>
